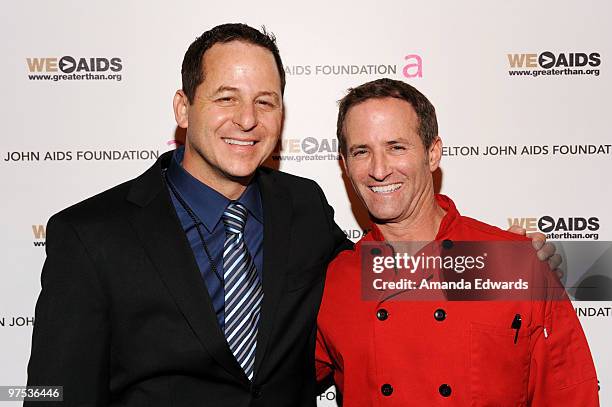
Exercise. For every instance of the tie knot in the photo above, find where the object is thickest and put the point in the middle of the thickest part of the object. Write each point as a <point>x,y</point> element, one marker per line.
<point>234,217</point>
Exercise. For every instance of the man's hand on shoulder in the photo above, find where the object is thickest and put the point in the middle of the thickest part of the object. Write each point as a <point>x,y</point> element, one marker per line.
<point>545,251</point>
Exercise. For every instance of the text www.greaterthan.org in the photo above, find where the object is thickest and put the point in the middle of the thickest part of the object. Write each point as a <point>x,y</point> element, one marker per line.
<point>553,72</point>
<point>306,157</point>
<point>75,77</point>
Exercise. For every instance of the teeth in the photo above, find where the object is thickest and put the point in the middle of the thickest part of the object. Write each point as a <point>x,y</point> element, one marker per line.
<point>386,188</point>
<point>238,142</point>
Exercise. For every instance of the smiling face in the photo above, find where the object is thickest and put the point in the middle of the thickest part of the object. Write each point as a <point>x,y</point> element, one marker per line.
<point>386,160</point>
<point>236,116</point>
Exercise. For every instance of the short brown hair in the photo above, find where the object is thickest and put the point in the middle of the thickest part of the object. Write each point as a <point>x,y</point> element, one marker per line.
<point>389,88</point>
<point>192,72</point>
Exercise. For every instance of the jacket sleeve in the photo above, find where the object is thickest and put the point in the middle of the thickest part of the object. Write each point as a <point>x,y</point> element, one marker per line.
<point>562,370</point>
<point>324,365</point>
<point>323,361</point>
<point>70,343</point>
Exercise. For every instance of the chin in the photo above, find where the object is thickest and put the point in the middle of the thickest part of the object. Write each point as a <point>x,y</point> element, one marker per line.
<point>384,215</point>
<point>242,172</point>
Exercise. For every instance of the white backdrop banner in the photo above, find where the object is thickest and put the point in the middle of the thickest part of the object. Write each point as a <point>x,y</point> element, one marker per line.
<point>521,91</point>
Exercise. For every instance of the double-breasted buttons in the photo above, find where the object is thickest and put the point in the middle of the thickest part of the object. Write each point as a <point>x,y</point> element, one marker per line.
<point>386,389</point>
<point>445,390</point>
<point>382,314</point>
<point>439,315</point>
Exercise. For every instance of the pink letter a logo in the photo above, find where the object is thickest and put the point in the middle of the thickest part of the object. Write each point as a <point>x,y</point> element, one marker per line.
<point>415,68</point>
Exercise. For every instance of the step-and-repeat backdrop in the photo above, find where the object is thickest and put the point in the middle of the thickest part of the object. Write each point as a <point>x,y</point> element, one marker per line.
<point>522,90</point>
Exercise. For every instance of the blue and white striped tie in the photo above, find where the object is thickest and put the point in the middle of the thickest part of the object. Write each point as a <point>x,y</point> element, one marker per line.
<point>243,291</point>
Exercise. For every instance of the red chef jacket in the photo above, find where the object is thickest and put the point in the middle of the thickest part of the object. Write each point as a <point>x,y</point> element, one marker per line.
<point>449,353</point>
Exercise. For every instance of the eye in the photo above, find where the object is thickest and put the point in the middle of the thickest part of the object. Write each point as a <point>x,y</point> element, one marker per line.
<point>265,103</point>
<point>225,99</point>
<point>358,152</point>
<point>397,149</point>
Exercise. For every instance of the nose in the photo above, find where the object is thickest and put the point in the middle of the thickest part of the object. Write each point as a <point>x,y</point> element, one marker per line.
<point>380,167</point>
<point>245,116</point>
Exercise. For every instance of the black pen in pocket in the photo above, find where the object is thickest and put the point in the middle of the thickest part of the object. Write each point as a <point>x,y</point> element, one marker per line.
<point>516,324</point>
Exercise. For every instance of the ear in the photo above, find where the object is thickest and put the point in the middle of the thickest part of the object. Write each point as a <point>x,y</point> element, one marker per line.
<point>343,159</point>
<point>181,105</point>
<point>435,154</point>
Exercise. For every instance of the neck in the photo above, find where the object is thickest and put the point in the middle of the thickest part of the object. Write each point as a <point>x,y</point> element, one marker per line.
<point>229,187</point>
<point>421,224</point>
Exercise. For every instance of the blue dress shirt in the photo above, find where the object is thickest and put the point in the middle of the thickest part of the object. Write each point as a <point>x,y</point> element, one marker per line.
<point>208,206</point>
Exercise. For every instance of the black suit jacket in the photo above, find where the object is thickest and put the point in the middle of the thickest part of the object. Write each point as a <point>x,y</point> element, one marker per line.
<point>124,317</point>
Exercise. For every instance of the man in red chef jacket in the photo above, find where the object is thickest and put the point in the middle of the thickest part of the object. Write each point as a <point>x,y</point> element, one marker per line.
<point>392,352</point>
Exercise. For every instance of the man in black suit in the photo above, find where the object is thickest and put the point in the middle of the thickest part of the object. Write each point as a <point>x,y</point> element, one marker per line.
<point>197,283</point>
<point>133,309</point>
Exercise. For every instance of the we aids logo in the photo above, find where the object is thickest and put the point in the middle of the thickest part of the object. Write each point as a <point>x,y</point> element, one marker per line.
<point>68,68</point>
<point>549,63</point>
<point>306,149</point>
<point>561,228</point>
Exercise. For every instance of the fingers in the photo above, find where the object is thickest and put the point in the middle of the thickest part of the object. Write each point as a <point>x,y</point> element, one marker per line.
<point>555,261</point>
<point>559,273</point>
<point>538,244</point>
<point>546,249</point>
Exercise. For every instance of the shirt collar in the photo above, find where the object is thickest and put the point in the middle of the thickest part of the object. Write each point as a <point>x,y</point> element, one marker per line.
<point>447,224</point>
<point>450,220</point>
<point>208,204</point>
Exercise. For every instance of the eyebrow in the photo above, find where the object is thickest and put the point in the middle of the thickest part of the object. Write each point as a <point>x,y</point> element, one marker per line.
<point>225,89</point>
<point>399,140</point>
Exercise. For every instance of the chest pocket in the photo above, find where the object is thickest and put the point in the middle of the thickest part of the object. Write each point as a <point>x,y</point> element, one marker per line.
<point>499,367</point>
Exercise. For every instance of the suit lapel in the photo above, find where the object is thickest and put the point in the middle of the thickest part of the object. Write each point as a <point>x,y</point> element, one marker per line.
<point>277,233</point>
<point>160,232</point>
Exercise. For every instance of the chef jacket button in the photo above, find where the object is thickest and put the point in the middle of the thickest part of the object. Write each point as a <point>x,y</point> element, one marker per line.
<point>445,390</point>
<point>386,389</point>
<point>382,314</point>
<point>440,315</point>
<point>447,244</point>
